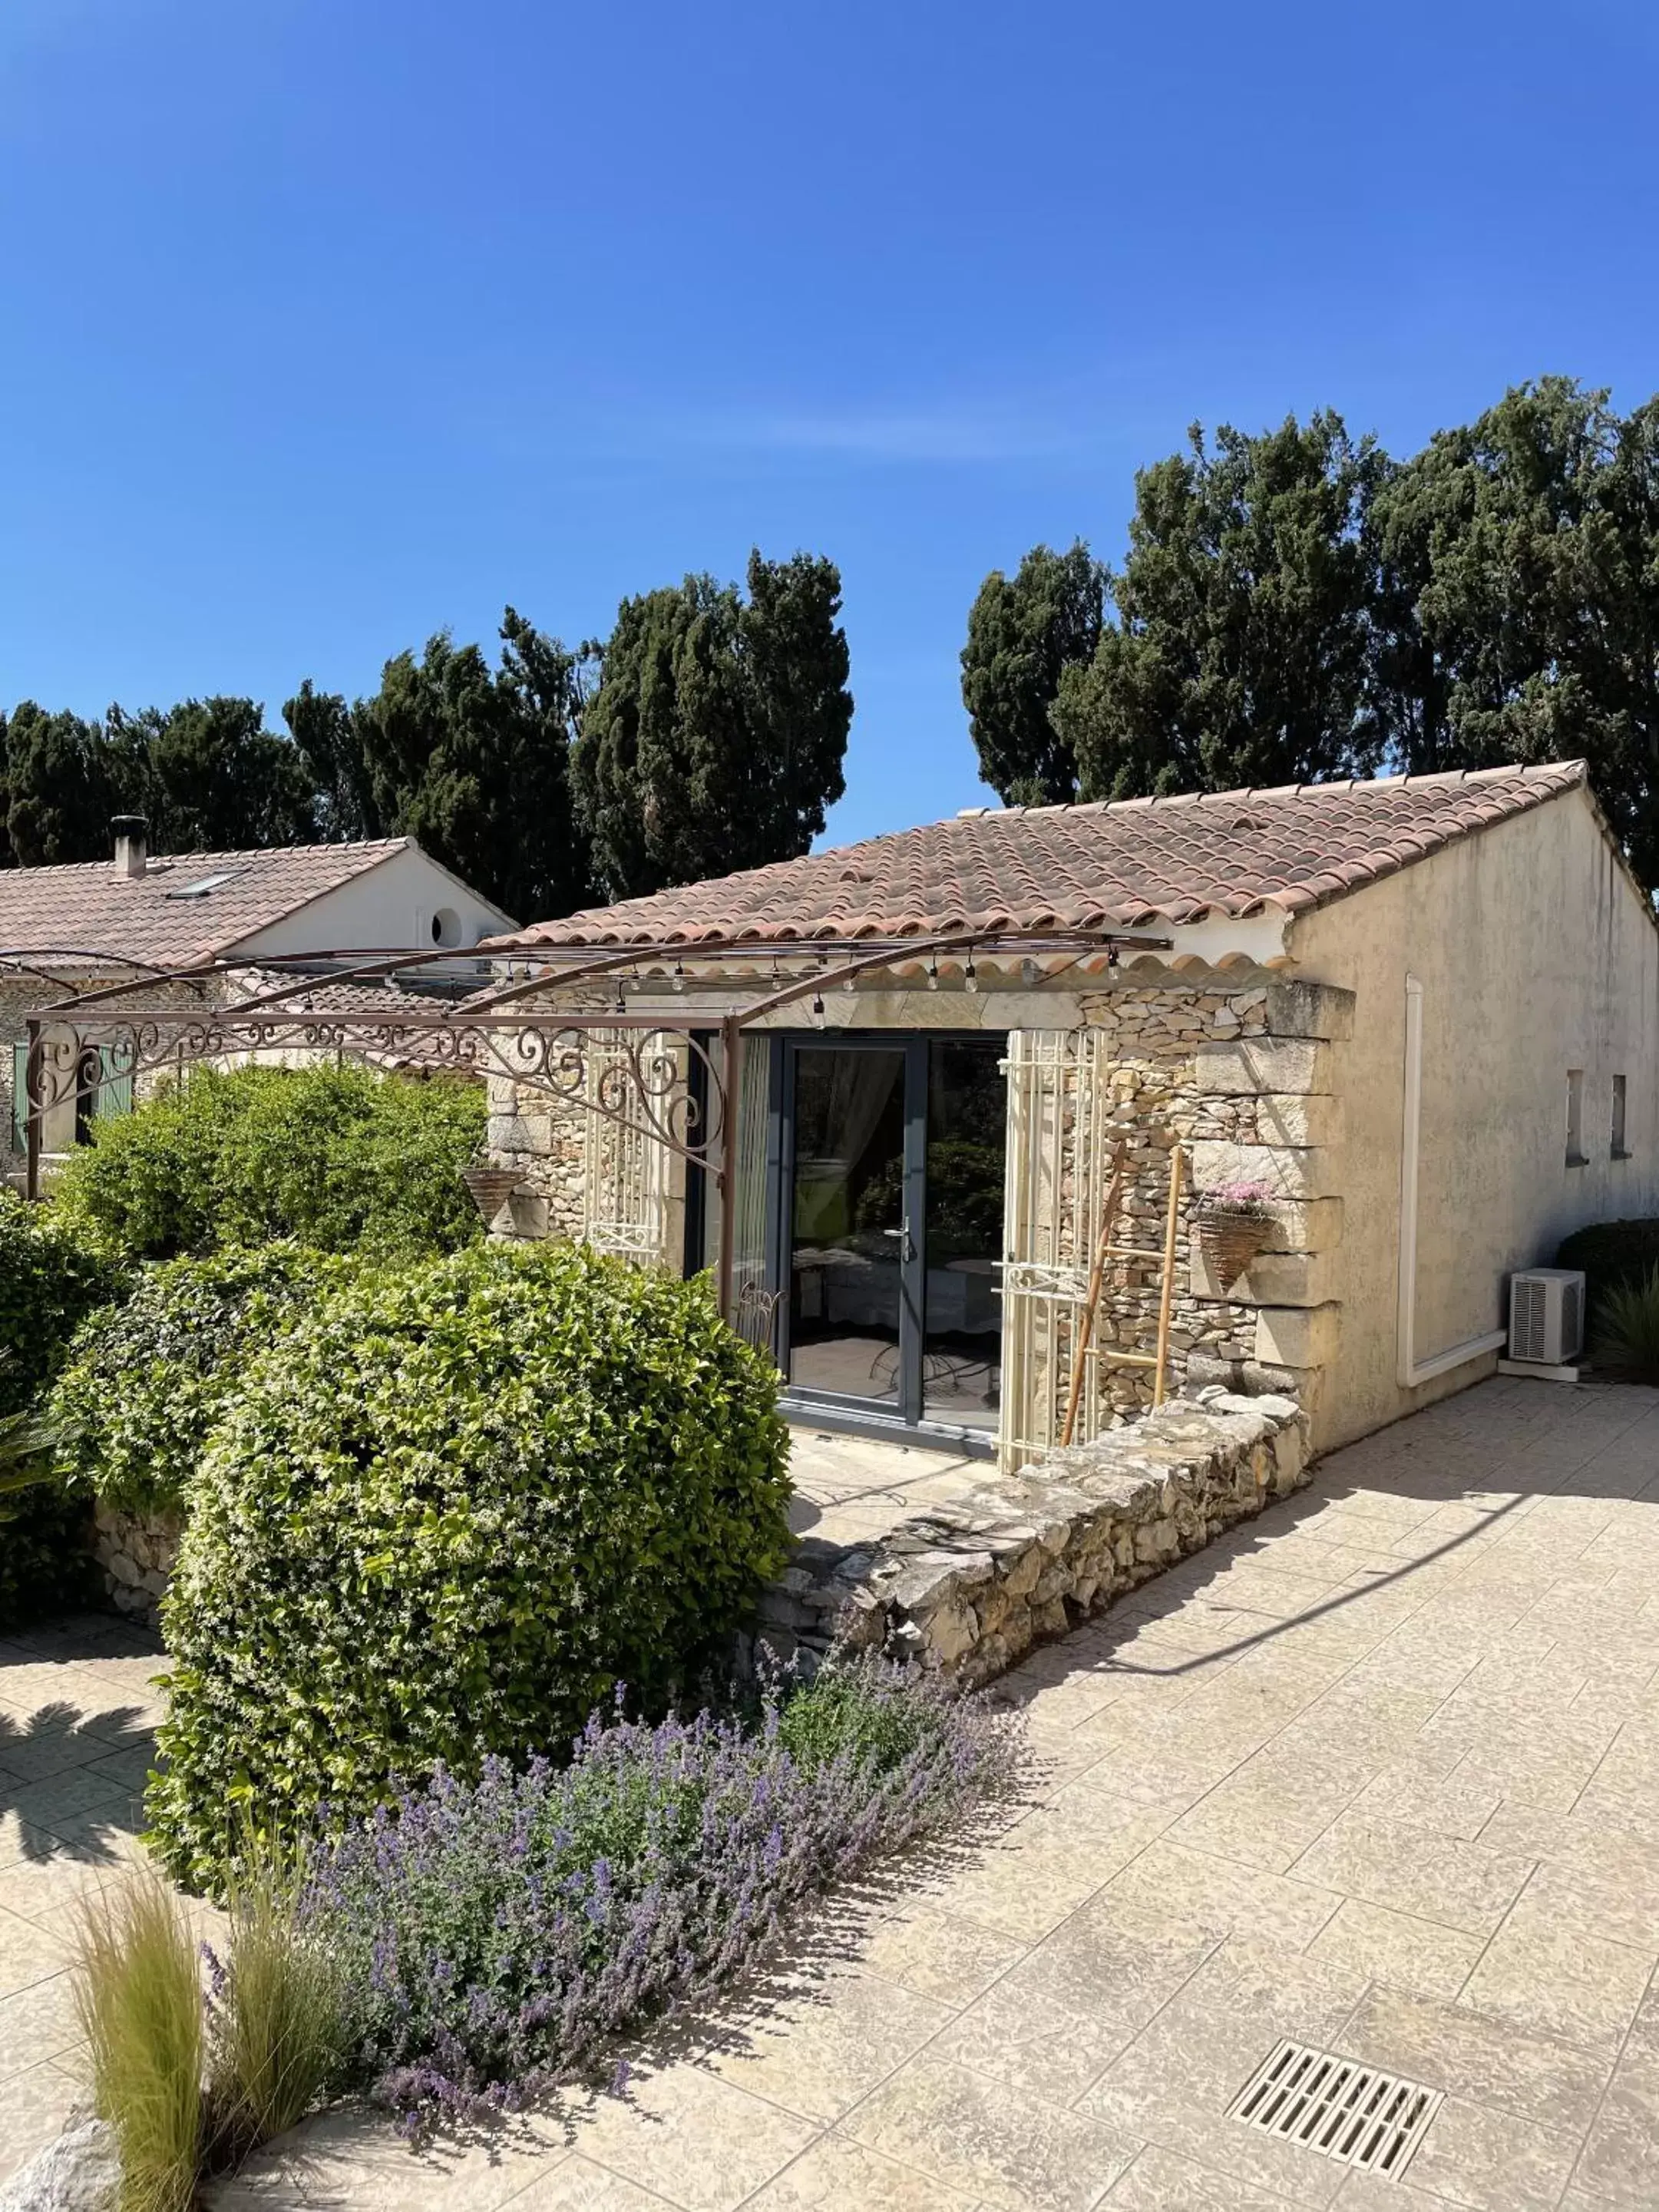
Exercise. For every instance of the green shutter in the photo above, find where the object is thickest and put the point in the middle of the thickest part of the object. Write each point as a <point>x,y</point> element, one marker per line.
<point>20,1097</point>
<point>114,1091</point>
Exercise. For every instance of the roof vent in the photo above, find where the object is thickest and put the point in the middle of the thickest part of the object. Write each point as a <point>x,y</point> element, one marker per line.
<point>856,875</point>
<point>1248,822</point>
<point>131,833</point>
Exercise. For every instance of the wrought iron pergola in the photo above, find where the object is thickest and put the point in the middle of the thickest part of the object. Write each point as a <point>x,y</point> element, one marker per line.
<point>673,1069</point>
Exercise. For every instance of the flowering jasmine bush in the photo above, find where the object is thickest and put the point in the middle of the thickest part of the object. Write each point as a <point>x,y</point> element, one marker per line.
<point>499,1935</point>
<point>442,1515</point>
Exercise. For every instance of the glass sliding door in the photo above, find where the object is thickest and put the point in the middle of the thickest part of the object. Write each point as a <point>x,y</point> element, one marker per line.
<point>967,1137</point>
<point>848,1242</point>
<point>891,1238</point>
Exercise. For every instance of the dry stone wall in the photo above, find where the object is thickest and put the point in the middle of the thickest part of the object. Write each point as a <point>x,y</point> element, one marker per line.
<point>968,1588</point>
<point>1246,1080</point>
<point>134,1554</point>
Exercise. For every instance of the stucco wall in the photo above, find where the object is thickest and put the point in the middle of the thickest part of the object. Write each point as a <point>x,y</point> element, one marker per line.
<point>1536,954</point>
<point>391,905</point>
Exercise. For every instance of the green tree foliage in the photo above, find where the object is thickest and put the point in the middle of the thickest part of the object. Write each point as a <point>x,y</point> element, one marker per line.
<point>1022,634</point>
<point>339,1157</point>
<point>60,787</point>
<point>1240,653</point>
<point>1520,568</point>
<point>445,1517</point>
<point>472,761</point>
<point>207,774</point>
<point>220,781</point>
<point>716,739</point>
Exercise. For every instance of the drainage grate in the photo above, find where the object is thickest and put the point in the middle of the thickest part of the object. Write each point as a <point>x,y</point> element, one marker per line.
<point>1352,2113</point>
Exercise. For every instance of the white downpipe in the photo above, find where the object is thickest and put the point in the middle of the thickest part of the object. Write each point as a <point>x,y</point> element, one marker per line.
<point>1409,1370</point>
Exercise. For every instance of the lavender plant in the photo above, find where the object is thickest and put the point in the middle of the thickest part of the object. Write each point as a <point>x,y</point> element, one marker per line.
<point>500,1934</point>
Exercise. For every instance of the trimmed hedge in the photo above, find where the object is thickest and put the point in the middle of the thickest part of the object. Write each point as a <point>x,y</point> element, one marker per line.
<point>339,1158</point>
<point>444,1517</point>
<point>50,1278</point>
<point>145,1383</point>
<point>1615,1255</point>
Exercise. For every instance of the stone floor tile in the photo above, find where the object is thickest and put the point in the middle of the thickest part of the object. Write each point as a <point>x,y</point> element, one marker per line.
<point>575,2183</point>
<point>36,1889</point>
<point>838,2175</point>
<point>937,1955</point>
<point>1550,1975</point>
<point>35,2106</point>
<point>1620,2161</point>
<point>1010,2151</point>
<point>1420,1957</point>
<point>1198,1891</point>
<point>1265,1817</point>
<point>815,2049</point>
<point>1463,1885</point>
<point>1026,1882</point>
<point>27,1954</point>
<point>682,2130</point>
<point>349,2159</point>
<point>1485,2061</point>
<point>1416,1793</point>
<point>36,2023</point>
<point>1492,2161</point>
<point>1160,2181</point>
<point>1058,2017</point>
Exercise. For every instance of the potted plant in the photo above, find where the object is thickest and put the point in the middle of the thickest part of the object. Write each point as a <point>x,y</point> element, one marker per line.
<point>1235,1220</point>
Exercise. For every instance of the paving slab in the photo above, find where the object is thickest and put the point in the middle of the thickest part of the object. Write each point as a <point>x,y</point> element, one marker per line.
<point>1378,1771</point>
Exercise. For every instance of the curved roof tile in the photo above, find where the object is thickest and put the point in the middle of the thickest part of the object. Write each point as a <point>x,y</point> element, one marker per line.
<point>1124,865</point>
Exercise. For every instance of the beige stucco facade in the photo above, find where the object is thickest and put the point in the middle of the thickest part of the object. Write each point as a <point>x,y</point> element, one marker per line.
<point>1536,954</point>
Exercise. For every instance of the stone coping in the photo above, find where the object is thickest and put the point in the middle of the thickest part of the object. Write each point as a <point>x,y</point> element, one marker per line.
<point>968,1586</point>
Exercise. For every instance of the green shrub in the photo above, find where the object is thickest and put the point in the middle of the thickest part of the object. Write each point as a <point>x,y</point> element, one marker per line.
<point>50,1275</point>
<point>144,1382</point>
<point>45,1563</point>
<point>50,1278</point>
<point>443,1517</point>
<point>1613,1254</point>
<point>1626,1335</point>
<point>138,1995</point>
<point>336,1157</point>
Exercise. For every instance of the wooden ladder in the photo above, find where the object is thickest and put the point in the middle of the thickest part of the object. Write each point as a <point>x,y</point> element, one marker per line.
<point>1106,1249</point>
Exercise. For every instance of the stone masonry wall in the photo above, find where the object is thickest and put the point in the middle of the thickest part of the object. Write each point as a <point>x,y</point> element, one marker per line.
<point>969,1587</point>
<point>134,1554</point>
<point>1244,1078</point>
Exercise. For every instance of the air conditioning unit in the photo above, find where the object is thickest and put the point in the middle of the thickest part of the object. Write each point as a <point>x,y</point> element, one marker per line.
<point>1547,1315</point>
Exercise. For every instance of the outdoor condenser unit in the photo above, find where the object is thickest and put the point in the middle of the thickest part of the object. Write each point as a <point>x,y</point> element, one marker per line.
<point>1547,1315</point>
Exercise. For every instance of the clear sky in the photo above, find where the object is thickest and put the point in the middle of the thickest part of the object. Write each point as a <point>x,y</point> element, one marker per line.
<point>331,323</point>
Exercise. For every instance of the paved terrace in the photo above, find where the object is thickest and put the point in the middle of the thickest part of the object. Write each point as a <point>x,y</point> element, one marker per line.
<point>1379,1771</point>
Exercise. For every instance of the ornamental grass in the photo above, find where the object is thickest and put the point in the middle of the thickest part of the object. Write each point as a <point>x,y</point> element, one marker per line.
<point>500,1936</point>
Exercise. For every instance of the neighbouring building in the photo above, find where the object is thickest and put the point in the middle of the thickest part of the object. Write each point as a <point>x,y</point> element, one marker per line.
<point>1422,1011</point>
<point>105,923</point>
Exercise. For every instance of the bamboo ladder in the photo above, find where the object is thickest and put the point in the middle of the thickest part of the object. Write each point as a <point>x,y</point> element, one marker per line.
<point>1105,1250</point>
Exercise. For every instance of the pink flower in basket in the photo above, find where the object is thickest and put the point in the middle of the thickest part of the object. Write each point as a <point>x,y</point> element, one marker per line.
<point>1250,1198</point>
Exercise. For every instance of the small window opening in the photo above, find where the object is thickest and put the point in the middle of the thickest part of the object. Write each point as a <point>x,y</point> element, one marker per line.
<point>1620,1150</point>
<point>1575,1117</point>
<point>446,926</point>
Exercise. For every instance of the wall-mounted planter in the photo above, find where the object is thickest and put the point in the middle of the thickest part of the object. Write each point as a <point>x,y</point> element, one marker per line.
<point>1230,1240</point>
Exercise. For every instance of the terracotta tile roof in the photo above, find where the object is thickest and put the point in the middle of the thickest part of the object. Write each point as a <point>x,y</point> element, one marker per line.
<point>91,909</point>
<point>1124,866</point>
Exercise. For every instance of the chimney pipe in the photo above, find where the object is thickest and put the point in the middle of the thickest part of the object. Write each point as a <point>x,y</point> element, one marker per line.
<point>131,844</point>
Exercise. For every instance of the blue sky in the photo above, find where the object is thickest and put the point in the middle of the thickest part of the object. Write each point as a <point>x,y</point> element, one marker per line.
<point>331,323</point>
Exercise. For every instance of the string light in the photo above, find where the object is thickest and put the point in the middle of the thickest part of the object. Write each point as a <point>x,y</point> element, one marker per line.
<point>971,975</point>
<point>932,973</point>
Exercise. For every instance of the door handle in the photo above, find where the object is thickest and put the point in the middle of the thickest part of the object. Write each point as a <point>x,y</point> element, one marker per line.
<point>907,1247</point>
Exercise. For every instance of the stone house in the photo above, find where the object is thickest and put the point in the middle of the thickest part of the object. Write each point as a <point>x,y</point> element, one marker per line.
<point>1423,1013</point>
<point>103,923</point>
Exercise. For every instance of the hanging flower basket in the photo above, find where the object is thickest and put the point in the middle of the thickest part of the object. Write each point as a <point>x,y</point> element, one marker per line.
<point>491,1188</point>
<point>1234,1222</point>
